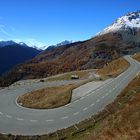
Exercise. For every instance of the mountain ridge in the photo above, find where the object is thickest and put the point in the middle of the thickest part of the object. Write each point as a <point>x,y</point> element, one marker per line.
<point>12,54</point>
<point>130,20</point>
<point>93,53</point>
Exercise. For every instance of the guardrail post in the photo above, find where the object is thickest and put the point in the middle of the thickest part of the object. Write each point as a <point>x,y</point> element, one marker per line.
<point>107,110</point>
<point>76,127</point>
<point>57,136</point>
<point>119,103</point>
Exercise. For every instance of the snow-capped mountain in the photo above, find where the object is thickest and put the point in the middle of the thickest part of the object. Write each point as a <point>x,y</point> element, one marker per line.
<point>12,43</point>
<point>21,44</point>
<point>130,24</point>
<point>6,43</point>
<point>63,43</point>
<point>66,42</point>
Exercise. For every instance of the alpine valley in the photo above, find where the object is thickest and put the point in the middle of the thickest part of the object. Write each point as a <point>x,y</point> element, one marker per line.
<point>118,39</point>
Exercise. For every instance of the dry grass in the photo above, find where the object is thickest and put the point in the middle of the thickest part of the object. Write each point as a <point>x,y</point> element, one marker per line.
<point>46,98</point>
<point>83,74</point>
<point>123,124</point>
<point>137,56</point>
<point>113,68</point>
<point>51,97</point>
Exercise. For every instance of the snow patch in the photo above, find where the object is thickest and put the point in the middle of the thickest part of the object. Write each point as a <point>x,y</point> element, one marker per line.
<point>131,20</point>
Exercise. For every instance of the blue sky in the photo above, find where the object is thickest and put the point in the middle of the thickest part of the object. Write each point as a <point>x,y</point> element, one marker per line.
<point>47,22</point>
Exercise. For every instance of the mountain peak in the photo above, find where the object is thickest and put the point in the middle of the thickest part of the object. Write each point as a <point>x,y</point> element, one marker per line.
<point>135,13</point>
<point>6,43</point>
<point>23,44</point>
<point>63,43</point>
<point>130,20</point>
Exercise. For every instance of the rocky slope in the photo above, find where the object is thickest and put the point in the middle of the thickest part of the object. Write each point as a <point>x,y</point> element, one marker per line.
<point>128,26</point>
<point>116,40</point>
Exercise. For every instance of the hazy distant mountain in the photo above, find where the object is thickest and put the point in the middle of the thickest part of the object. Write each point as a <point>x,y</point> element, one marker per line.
<point>12,43</point>
<point>51,47</point>
<point>64,43</point>
<point>23,44</point>
<point>122,37</point>
<point>6,43</point>
<point>12,53</point>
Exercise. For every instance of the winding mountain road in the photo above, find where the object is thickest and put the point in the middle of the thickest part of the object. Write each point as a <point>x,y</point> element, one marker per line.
<point>18,120</point>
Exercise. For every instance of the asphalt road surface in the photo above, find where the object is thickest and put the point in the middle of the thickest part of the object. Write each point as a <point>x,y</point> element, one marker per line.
<point>18,120</point>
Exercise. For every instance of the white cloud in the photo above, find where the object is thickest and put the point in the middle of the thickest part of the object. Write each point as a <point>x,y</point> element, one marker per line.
<point>3,30</point>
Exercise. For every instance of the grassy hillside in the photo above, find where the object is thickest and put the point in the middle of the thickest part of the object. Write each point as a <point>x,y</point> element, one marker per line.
<point>124,122</point>
<point>113,68</point>
<point>137,56</point>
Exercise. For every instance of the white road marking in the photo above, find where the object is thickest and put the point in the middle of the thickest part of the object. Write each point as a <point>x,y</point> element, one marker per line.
<point>107,94</point>
<point>8,116</point>
<point>75,101</point>
<point>110,90</point>
<point>33,120</point>
<point>92,105</point>
<point>98,101</point>
<point>19,119</point>
<point>88,95</point>
<point>49,120</point>
<point>97,89</point>
<point>64,117</point>
<point>81,98</point>
<point>120,75</point>
<point>1,113</point>
<point>67,105</point>
<point>104,85</point>
<point>76,113</point>
<point>101,87</point>
<point>4,133</point>
<point>85,109</point>
<point>103,97</point>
